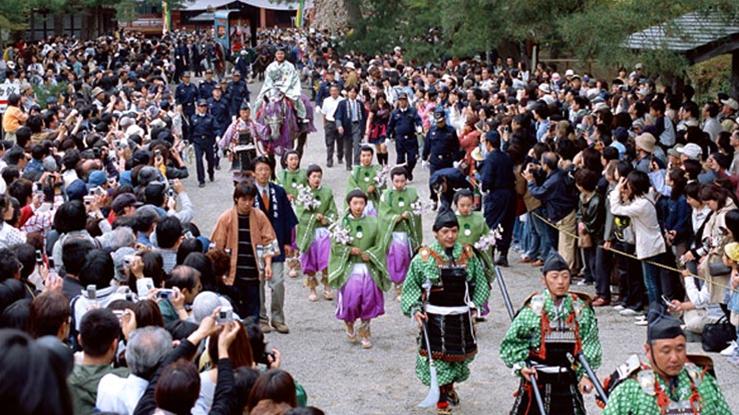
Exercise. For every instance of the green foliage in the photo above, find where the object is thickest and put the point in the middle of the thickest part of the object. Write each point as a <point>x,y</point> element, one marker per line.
<point>711,77</point>
<point>583,29</point>
<point>42,92</point>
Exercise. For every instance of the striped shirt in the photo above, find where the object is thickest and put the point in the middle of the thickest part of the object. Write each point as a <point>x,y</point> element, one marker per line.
<point>246,263</point>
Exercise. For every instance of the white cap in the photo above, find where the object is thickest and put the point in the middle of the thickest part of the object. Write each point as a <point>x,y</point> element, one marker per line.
<point>569,73</point>
<point>545,88</point>
<point>349,65</point>
<point>691,150</point>
<point>731,103</point>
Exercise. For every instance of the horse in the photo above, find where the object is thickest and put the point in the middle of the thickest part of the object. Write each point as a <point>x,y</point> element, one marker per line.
<point>284,129</point>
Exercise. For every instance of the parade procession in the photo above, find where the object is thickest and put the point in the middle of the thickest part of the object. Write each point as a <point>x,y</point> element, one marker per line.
<point>320,207</point>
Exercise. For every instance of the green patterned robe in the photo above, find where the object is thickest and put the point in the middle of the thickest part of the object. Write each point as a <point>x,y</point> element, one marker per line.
<point>307,222</point>
<point>341,261</point>
<point>392,205</point>
<point>524,334</point>
<point>290,180</point>
<point>471,228</point>
<point>411,301</point>
<point>362,178</point>
<point>636,396</point>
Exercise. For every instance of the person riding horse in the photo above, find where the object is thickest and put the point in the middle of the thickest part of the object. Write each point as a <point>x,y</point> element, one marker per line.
<point>282,76</point>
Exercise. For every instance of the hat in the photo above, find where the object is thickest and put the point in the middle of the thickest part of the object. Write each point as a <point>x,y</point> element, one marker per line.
<point>601,106</point>
<point>396,49</point>
<point>620,134</point>
<point>148,174</point>
<point>575,76</point>
<point>445,219</point>
<point>569,73</point>
<point>119,261</point>
<point>123,201</point>
<point>732,251</point>
<point>731,103</point>
<point>96,178</point>
<point>545,88</point>
<point>158,123</point>
<point>349,65</point>
<point>126,122</point>
<point>639,66</point>
<point>245,105</point>
<point>154,190</point>
<point>76,190</point>
<point>476,154</point>
<point>646,142</point>
<point>439,114</point>
<point>235,73</point>
<point>402,95</point>
<point>186,74</point>
<point>96,91</point>
<point>202,103</point>
<point>554,262</point>
<point>691,150</point>
<point>661,325</point>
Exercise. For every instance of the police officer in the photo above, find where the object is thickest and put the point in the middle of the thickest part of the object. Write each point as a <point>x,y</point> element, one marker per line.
<point>218,108</point>
<point>441,146</point>
<point>186,94</point>
<point>205,90</point>
<point>236,93</point>
<point>203,137</point>
<point>404,122</point>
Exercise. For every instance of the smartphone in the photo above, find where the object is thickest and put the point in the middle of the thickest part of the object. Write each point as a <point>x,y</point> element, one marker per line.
<point>224,316</point>
<point>92,292</point>
<point>165,293</point>
<point>666,301</point>
<point>143,285</point>
<point>39,257</point>
<point>50,260</point>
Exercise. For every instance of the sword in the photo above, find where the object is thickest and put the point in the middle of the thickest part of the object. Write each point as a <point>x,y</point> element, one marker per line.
<point>584,362</point>
<point>509,307</point>
<point>433,396</point>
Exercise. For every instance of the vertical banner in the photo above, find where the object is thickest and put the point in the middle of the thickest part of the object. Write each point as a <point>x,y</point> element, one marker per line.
<point>166,17</point>
<point>299,15</point>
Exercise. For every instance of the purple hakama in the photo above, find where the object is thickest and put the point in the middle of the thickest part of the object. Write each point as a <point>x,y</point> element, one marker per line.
<point>359,297</point>
<point>398,257</point>
<point>315,259</point>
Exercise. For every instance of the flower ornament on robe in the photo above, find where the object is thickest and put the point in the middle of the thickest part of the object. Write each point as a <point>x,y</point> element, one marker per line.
<point>341,234</point>
<point>422,206</point>
<point>381,176</point>
<point>306,199</point>
<point>490,239</point>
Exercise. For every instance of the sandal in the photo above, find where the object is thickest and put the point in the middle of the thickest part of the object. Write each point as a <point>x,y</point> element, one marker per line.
<point>313,297</point>
<point>350,335</point>
<point>328,295</point>
<point>366,343</point>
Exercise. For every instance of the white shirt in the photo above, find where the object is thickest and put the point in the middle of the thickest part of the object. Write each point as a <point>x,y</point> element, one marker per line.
<point>120,395</point>
<point>713,128</point>
<point>328,109</point>
<point>643,215</point>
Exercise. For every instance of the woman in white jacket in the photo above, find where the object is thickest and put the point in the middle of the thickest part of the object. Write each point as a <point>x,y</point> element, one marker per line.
<point>630,198</point>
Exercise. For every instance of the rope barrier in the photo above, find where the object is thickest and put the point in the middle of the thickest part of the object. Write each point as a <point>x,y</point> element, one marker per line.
<point>628,255</point>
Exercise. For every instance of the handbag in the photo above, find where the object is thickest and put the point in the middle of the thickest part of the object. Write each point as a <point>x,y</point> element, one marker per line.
<point>586,240</point>
<point>717,336</point>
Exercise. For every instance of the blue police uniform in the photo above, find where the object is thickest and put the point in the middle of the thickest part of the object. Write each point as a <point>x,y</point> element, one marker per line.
<point>500,201</point>
<point>236,93</point>
<point>203,136</point>
<point>205,90</point>
<point>402,127</point>
<point>441,149</point>
<point>220,112</point>
<point>186,95</point>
